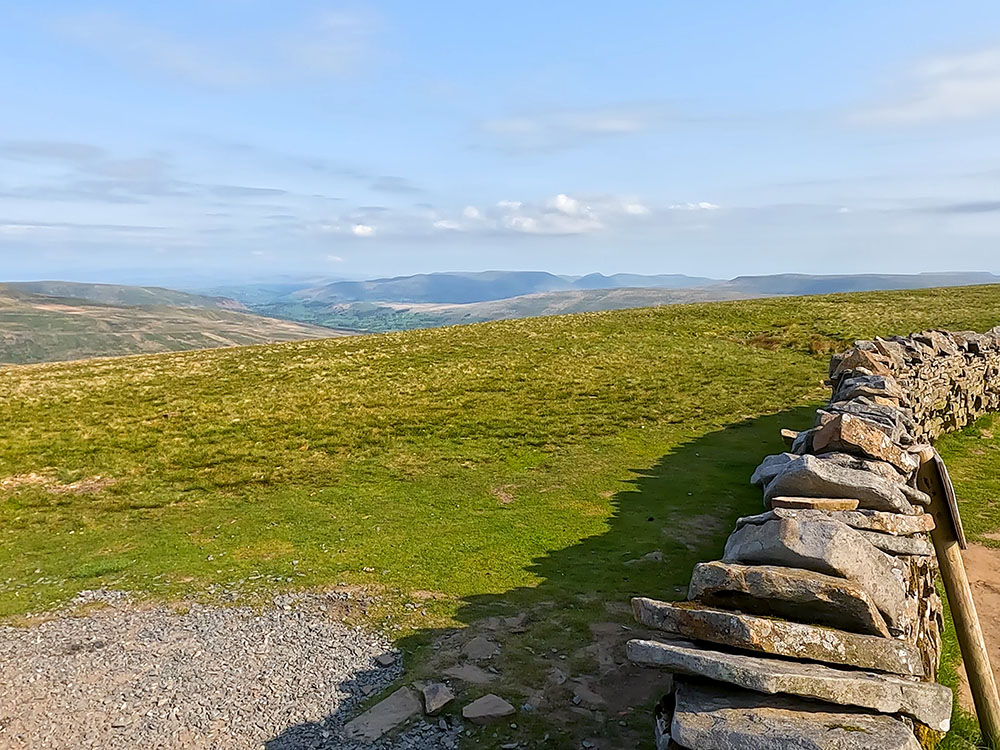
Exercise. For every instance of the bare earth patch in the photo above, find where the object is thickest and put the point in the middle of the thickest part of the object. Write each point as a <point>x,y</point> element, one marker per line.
<point>284,678</point>
<point>983,565</point>
<point>49,483</point>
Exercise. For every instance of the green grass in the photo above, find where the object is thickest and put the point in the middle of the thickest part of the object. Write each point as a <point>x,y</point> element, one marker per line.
<point>494,468</point>
<point>973,457</point>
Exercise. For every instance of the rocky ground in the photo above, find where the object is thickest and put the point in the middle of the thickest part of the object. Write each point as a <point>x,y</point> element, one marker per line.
<point>122,674</point>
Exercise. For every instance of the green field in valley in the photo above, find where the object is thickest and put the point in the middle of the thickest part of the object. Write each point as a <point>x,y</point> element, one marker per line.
<point>516,467</point>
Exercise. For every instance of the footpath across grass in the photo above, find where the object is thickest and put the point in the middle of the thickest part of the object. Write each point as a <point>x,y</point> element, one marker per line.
<point>454,472</point>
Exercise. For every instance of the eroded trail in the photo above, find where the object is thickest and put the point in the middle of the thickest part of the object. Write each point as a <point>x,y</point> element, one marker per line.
<point>983,564</point>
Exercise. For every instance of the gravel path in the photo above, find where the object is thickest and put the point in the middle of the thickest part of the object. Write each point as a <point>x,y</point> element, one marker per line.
<point>127,675</point>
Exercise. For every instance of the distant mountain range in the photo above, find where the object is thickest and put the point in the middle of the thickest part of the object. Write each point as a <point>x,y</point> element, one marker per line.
<point>118,294</point>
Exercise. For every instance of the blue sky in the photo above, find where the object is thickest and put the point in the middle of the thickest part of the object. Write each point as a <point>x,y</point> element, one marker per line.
<point>249,139</point>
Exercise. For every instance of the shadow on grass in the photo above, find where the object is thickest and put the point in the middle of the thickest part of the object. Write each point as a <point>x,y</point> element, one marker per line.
<point>561,643</point>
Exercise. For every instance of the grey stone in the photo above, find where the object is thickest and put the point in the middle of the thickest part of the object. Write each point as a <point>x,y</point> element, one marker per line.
<point>770,467</point>
<point>487,709</point>
<point>852,434</point>
<point>709,716</point>
<point>827,547</point>
<point>868,520</point>
<point>799,595</point>
<point>874,386</point>
<point>899,545</point>
<point>386,660</point>
<point>812,476</point>
<point>436,695</point>
<point>926,702</point>
<point>384,716</point>
<point>470,673</point>
<point>480,649</point>
<point>779,637</point>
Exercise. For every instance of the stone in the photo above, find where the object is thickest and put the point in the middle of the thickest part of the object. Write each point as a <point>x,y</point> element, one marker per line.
<point>779,637</point>
<point>770,467</point>
<point>859,463</point>
<point>895,422</point>
<point>556,676</point>
<point>814,503</point>
<point>828,547</point>
<point>480,648</point>
<point>899,545</point>
<point>788,436</point>
<point>470,673</point>
<point>487,709</point>
<point>584,696</point>
<point>436,695</point>
<point>384,716</point>
<point>874,362</point>
<point>868,520</point>
<point>851,434</point>
<point>386,660</point>
<point>927,702</point>
<point>876,387</point>
<point>712,716</point>
<point>811,476</point>
<point>798,595</point>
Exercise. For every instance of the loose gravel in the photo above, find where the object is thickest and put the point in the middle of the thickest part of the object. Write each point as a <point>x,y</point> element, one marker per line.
<point>131,675</point>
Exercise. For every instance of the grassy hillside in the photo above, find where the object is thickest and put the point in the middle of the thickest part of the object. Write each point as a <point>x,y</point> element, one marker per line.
<point>116,294</point>
<point>510,467</point>
<point>40,328</point>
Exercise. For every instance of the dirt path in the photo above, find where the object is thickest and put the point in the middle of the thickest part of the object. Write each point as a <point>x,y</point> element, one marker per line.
<point>983,565</point>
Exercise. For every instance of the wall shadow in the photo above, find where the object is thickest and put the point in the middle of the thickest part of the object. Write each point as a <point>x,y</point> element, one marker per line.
<point>561,643</point>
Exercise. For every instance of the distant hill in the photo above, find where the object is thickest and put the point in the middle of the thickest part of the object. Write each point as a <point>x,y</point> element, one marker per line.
<point>462,288</point>
<point>45,328</point>
<point>116,294</point>
<point>799,284</point>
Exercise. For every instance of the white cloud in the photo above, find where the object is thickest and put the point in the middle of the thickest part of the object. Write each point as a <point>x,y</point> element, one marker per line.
<point>568,128</point>
<point>565,204</point>
<point>363,230</point>
<point>699,206</point>
<point>471,212</point>
<point>334,259</point>
<point>945,88</point>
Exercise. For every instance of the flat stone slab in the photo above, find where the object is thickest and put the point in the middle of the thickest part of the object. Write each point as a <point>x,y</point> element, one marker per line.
<point>828,547</point>
<point>851,434</point>
<point>926,702</point>
<point>792,593</point>
<point>899,545</point>
<point>779,637</point>
<point>384,716</point>
<point>897,524</point>
<point>470,673</point>
<point>814,503</point>
<point>813,476</point>
<point>487,709</point>
<point>436,695</point>
<point>708,716</point>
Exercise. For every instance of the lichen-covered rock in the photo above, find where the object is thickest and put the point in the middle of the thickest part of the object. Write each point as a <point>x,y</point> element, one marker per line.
<point>827,547</point>
<point>812,476</point>
<point>771,636</point>
<point>869,520</point>
<point>792,593</point>
<point>926,702</point>
<point>711,716</point>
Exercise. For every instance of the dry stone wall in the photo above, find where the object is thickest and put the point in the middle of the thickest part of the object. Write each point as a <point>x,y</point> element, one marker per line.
<point>821,625</point>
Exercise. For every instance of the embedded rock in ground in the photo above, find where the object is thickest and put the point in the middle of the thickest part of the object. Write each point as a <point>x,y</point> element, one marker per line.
<point>792,593</point>
<point>899,545</point>
<point>827,547</point>
<point>814,503</point>
<point>437,695</point>
<point>867,520</point>
<point>812,476</point>
<point>711,716</point>
<point>487,709</point>
<point>927,702</point>
<point>480,648</point>
<point>850,434</point>
<point>470,673</point>
<point>384,716</point>
<point>781,638</point>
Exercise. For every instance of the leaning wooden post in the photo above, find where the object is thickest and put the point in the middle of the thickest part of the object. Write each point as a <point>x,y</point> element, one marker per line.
<point>949,539</point>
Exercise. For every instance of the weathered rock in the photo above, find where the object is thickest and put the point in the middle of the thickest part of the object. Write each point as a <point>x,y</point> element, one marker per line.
<point>811,476</point>
<point>487,709</point>
<point>480,649</point>
<point>470,673</point>
<point>386,660</point>
<point>799,595</point>
<point>770,467</point>
<point>827,547</point>
<point>869,520</point>
<point>899,545</point>
<point>880,468</point>
<point>814,503</point>
<point>708,717</point>
<point>926,702</point>
<point>882,387</point>
<point>384,716</point>
<point>851,434</point>
<point>852,359</point>
<point>895,422</point>
<point>436,695</point>
<point>778,637</point>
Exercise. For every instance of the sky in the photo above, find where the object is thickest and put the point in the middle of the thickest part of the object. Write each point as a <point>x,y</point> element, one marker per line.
<point>244,139</point>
